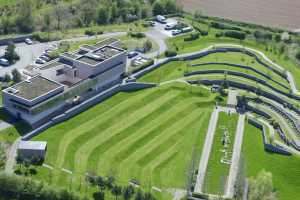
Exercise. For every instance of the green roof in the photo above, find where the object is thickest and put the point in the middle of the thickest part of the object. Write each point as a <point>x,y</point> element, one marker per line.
<point>35,87</point>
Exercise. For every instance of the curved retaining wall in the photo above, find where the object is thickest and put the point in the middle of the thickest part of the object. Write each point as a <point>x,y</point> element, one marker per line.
<point>249,88</point>
<point>241,74</point>
<point>268,147</point>
<point>243,67</point>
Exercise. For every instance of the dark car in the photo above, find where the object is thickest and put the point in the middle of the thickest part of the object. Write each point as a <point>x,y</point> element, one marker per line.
<point>132,54</point>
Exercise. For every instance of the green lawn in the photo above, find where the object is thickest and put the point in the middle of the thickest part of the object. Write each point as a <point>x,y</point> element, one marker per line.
<point>217,172</point>
<point>285,169</point>
<point>147,135</point>
<point>203,42</point>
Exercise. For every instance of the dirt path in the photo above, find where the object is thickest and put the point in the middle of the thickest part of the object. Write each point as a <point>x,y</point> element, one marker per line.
<point>11,158</point>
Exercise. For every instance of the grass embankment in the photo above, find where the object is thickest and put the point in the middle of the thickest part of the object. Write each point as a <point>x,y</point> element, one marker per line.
<point>146,135</point>
<point>217,172</point>
<point>203,42</point>
<point>285,169</point>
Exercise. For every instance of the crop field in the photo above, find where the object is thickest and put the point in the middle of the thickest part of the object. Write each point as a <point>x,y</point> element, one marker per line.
<point>285,169</point>
<point>267,12</point>
<point>217,172</point>
<point>147,136</point>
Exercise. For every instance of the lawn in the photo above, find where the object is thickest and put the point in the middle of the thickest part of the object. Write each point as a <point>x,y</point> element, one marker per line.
<point>203,42</point>
<point>147,135</point>
<point>285,169</point>
<point>217,172</point>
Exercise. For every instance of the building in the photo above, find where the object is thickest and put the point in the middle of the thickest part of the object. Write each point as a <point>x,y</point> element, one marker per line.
<point>57,85</point>
<point>32,149</point>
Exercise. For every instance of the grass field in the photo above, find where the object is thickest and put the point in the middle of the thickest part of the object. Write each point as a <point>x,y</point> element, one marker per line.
<point>204,42</point>
<point>217,172</point>
<point>147,135</point>
<point>285,169</point>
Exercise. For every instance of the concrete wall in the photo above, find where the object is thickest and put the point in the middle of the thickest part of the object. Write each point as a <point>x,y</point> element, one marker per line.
<point>268,147</point>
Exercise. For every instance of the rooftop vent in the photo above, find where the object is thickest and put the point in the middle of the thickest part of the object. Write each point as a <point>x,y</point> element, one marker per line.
<point>12,90</point>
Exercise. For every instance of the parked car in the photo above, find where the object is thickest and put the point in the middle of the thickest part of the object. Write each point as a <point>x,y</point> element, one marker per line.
<point>187,29</point>
<point>28,41</point>
<point>40,61</point>
<point>151,23</point>
<point>176,32</point>
<point>161,19</point>
<point>132,54</point>
<point>45,58</point>
<point>4,62</point>
<point>170,26</point>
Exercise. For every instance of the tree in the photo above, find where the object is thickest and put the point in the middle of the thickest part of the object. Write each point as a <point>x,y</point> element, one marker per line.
<point>261,187</point>
<point>148,196</point>
<point>47,23</point>
<point>298,55</point>
<point>110,181</point>
<point>60,12</point>
<point>25,20</point>
<point>139,195</point>
<point>17,77</point>
<point>158,8</point>
<point>117,191</point>
<point>127,192</point>
<point>99,196</point>
<point>100,183</point>
<point>87,11</point>
<point>170,6</point>
<point>147,45</point>
<point>10,53</point>
<point>6,78</point>
<point>103,15</point>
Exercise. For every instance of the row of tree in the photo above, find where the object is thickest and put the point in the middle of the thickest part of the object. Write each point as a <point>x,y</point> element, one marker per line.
<point>21,188</point>
<point>109,184</point>
<point>58,15</point>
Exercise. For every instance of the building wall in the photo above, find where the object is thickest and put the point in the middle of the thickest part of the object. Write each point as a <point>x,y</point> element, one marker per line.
<point>31,153</point>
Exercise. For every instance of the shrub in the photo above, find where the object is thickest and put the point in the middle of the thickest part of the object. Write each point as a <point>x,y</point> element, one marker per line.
<point>170,53</point>
<point>136,34</point>
<point>217,25</point>
<point>235,34</point>
<point>89,32</point>
<point>191,37</point>
<point>219,34</point>
<point>46,37</point>
<point>262,36</point>
<point>298,55</point>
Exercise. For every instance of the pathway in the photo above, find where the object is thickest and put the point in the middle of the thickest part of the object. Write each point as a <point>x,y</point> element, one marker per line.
<point>206,150</point>
<point>235,157</point>
<point>11,157</point>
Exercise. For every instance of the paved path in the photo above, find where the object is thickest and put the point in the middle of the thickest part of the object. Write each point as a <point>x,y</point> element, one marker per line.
<point>206,151</point>
<point>159,38</point>
<point>232,94</point>
<point>11,158</point>
<point>235,157</point>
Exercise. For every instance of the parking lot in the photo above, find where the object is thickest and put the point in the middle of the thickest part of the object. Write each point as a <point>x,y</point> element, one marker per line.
<point>27,53</point>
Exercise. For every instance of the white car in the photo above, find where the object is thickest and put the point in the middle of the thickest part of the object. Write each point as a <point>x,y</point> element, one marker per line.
<point>28,41</point>
<point>176,32</point>
<point>4,62</point>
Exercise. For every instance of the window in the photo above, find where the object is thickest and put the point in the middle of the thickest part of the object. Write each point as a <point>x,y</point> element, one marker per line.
<point>59,72</point>
<point>75,73</point>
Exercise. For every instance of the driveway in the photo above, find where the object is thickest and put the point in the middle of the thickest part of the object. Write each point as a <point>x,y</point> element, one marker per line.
<point>29,53</point>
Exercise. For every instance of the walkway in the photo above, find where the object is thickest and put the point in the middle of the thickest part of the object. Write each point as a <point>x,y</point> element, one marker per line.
<point>206,150</point>
<point>11,157</point>
<point>229,193</point>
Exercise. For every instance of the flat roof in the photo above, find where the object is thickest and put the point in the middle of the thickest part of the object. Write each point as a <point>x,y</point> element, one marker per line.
<point>105,42</point>
<point>32,145</point>
<point>33,87</point>
<point>51,65</point>
<point>101,54</point>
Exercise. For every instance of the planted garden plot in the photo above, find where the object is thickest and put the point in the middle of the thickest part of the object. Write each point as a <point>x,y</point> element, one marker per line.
<point>221,154</point>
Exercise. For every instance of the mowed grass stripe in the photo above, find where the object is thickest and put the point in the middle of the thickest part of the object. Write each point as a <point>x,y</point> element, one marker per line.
<point>84,151</point>
<point>82,133</point>
<point>170,146</point>
<point>106,150</point>
<point>132,169</point>
<point>148,136</point>
<point>61,133</point>
<point>152,122</point>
